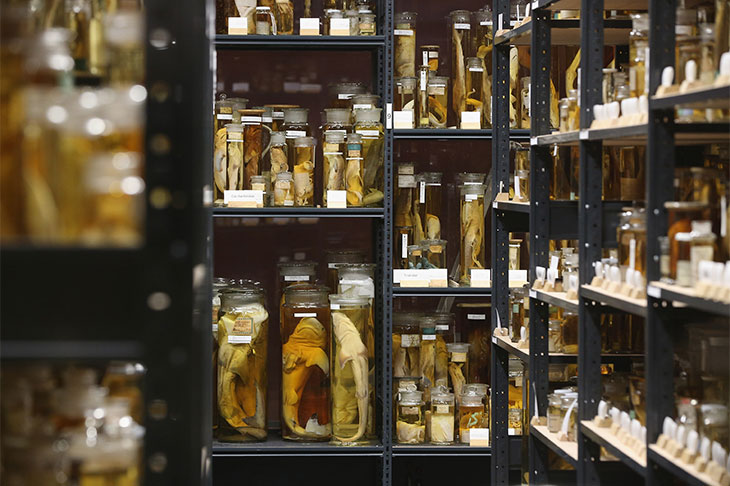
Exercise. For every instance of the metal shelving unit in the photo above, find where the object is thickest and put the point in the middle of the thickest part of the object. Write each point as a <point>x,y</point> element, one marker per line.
<point>453,134</point>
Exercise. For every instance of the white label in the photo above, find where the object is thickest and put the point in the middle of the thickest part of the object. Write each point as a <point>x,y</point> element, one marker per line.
<point>295,133</point>
<point>432,55</point>
<point>336,199</point>
<point>584,134</point>
<point>339,26</point>
<point>422,84</point>
<point>224,116</point>
<point>404,246</point>
<point>239,339</point>
<point>533,294</point>
<point>425,57</point>
<point>344,96</point>
<point>250,119</point>
<point>439,327</point>
<point>476,317</point>
<point>723,216</point>
<point>359,106</point>
<point>480,277</point>
<point>422,192</point>
<point>511,431</point>
<point>518,275</point>
<point>215,327</point>
<point>476,70</point>
<point>518,194</point>
<point>410,340</point>
<point>403,119</point>
<point>471,197</point>
<point>442,409</point>
<point>471,120</point>
<point>237,25</point>
<point>554,260</point>
<point>244,199</point>
<point>335,306</point>
<point>533,140</point>
<point>408,32</point>
<point>485,22</point>
<point>428,337</point>
<point>632,254</point>
<point>389,116</point>
<point>406,181</point>
<point>478,437</point>
<point>655,292</point>
<point>462,26</point>
<point>305,314</point>
<point>296,278</point>
<point>309,26</point>
<point>291,86</point>
<point>369,133</point>
<point>499,22</point>
<point>241,87</point>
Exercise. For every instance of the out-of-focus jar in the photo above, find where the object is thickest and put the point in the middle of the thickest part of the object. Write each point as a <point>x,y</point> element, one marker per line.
<point>631,168</point>
<point>568,399</point>
<point>692,248</point>
<point>522,186</point>
<point>555,342</point>
<point>442,418</point>
<point>569,332</point>
<point>367,24</point>
<point>553,413</point>
<point>638,49</point>
<point>714,423</point>
<point>123,379</point>
<point>708,65</point>
<point>410,422</point>
<point>517,312</point>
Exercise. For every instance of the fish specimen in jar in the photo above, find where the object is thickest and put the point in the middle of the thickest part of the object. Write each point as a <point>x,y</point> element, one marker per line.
<point>485,54</point>
<point>242,372</point>
<point>353,182</point>
<point>334,167</point>
<point>441,365</point>
<point>350,349</point>
<point>220,160</point>
<point>373,165</point>
<point>304,350</point>
<point>457,377</point>
<point>410,433</point>
<point>459,91</point>
<point>304,177</point>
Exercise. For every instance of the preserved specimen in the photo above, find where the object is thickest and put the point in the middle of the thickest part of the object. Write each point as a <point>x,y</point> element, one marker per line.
<point>253,144</point>
<point>405,44</point>
<point>279,155</point>
<point>430,56</point>
<point>438,101</point>
<point>353,170</point>
<point>284,189</point>
<point>429,198</point>
<point>234,150</point>
<point>405,97</point>
<point>474,86</point>
<point>406,345</point>
<point>434,252</point>
<point>304,171</point>
<point>295,126</point>
<point>472,415</point>
<point>472,229</point>
<point>373,143</point>
<point>458,365</point>
<point>265,21</point>
<point>334,163</point>
<point>460,46</point>
<point>483,41</point>
<point>410,422</point>
<point>422,105</point>
<point>284,14</point>
<point>442,417</point>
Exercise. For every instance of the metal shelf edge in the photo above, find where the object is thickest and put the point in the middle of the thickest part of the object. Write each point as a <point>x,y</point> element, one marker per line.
<point>596,437</point>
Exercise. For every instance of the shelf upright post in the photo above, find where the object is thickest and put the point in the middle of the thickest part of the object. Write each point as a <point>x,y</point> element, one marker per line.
<point>660,161</point>
<point>500,246</point>
<point>385,78</point>
<point>539,238</point>
<point>175,281</point>
<point>590,213</point>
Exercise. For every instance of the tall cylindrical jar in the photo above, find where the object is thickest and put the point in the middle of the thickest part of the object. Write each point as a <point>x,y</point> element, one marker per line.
<point>472,230</point>
<point>352,358</point>
<point>370,128</point>
<point>295,125</point>
<point>429,204</point>
<point>354,170</point>
<point>438,97</point>
<point>242,386</point>
<point>219,285</point>
<point>460,39</point>
<point>305,369</point>
<point>443,410</point>
<point>304,171</point>
<point>253,137</point>
<point>279,153</point>
<point>333,151</point>
<point>234,152</point>
<point>405,44</point>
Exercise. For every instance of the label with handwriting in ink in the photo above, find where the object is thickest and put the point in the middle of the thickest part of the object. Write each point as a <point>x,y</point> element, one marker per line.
<point>404,246</point>
<point>428,337</point>
<point>410,340</point>
<point>296,278</point>
<point>476,317</point>
<point>435,248</point>
<point>305,314</point>
<point>244,199</point>
<point>471,197</point>
<point>241,331</point>
<point>458,357</point>
<point>407,32</point>
<point>442,409</point>
<point>462,26</point>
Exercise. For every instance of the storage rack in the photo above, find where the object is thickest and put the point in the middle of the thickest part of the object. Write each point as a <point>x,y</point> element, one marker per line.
<point>146,304</point>
<point>666,306</point>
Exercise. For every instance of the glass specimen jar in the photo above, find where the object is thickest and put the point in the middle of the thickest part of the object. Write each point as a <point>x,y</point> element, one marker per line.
<point>714,422</point>
<point>367,124</point>
<point>434,251</point>
<point>515,412</point>
<point>564,107</point>
<point>427,354</point>
<point>242,345</point>
<point>688,49</point>
<point>356,279</point>
<point>438,101</point>
<point>284,17</point>
<point>430,57</point>
<point>415,256</point>
<point>284,189</point>
<point>442,418</point>
<point>517,312</point>
<point>123,379</point>
<point>458,365</point>
<point>631,237</point>
<point>567,401</point>
<point>707,66</point>
<point>410,422</point>
<point>525,102</point>
<point>405,44</point>
<point>429,198</point>
<point>403,235</point>
<point>515,248</point>
<point>422,97</point>
<point>555,342</point>
<point>483,50</point>
<point>336,257</point>
<point>294,273</point>
<point>334,165</point>
<point>472,414</point>
<point>553,413</point>
<point>474,87</point>
<point>354,170</point>
<point>253,144</point>
<point>351,361</point>
<point>295,126</point>
<point>234,154</point>
<point>570,269</point>
<point>265,21</point>
<point>405,199</point>
<point>219,285</point>
<point>680,215</point>
<point>405,99</point>
<point>337,120</point>
<point>238,105</point>
<point>406,345</point>
<point>459,37</point>
<point>341,94</point>
<point>304,172</point>
<point>573,111</point>
<point>522,186</point>
<point>354,17</point>
<point>367,23</point>
<point>277,115</point>
<point>638,48</point>
<point>366,101</point>
<point>471,230</point>
<point>279,155</point>
<point>444,325</point>
<point>692,248</point>
<point>305,337</point>
<point>331,14</point>
<point>569,332</point>
<point>631,169</point>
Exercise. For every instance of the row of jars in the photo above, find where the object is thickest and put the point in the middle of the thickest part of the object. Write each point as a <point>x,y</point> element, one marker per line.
<point>66,425</point>
<point>419,88</point>
<point>271,150</point>
<point>279,17</point>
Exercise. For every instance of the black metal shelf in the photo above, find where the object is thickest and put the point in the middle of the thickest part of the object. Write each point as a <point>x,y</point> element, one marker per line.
<point>567,33</point>
<point>555,298</point>
<point>560,138</point>
<point>632,306</point>
<point>565,450</point>
<point>686,296</point>
<point>276,446</point>
<point>506,344</point>
<point>452,134</point>
<point>442,292</point>
<point>685,475</point>
<point>298,42</point>
<point>611,444</point>
<point>429,450</point>
<point>576,4</point>
<point>711,97</point>
<point>73,350</point>
<point>280,212</point>
<point>514,206</point>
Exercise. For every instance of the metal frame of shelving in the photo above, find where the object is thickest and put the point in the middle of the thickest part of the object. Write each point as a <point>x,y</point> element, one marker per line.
<point>597,219</point>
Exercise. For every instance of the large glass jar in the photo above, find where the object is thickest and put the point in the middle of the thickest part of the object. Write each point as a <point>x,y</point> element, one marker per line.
<point>304,171</point>
<point>242,346</point>
<point>472,414</point>
<point>714,423</point>
<point>708,65</point>
<point>341,94</point>
<point>368,125</point>
<point>405,199</point>
<point>631,237</point>
<point>406,345</point>
<point>429,198</point>
<point>293,273</point>
<point>410,422</point>
<point>438,101</point>
<point>444,325</point>
<point>458,366</point>
<point>352,363</point>
<point>434,253</point>
<point>337,120</point>
<point>631,169</point>
<point>295,125</point>
<point>483,50</point>
<point>405,44</point>
<point>336,257</point>
<point>459,37</point>
<point>442,418</point>
<point>354,170</point>
<point>305,335</point>
<point>234,156</point>
<point>284,189</point>
<point>427,354</point>
<point>638,50</point>
<point>471,230</point>
<point>569,405</point>
<point>333,152</point>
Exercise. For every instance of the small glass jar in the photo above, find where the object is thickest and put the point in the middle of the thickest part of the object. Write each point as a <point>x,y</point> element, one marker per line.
<point>430,57</point>
<point>515,248</point>
<point>305,327</point>
<point>234,153</point>
<point>664,259</point>
<point>415,257</point>
<point>243,339</point>
<point>434,253</point>
<point>517,312</point>
<point>405,44</point>
<point>631,170</point>
<point>354,170</point>
<point>638,47</point>
<point>304,171</point>
<point>570,269</point>
<point>405,99</point>
<point>555,342</point>
<point>265,22</point>
<point>442,418</point>
<point>472,230</point>
<point>406,344</point>
<point>564,109</point>
<point>329,15</point>
<point>692,248</point>
<point>569,332</point>
<point>472,414</point>
<point>553,413</point>
<point>299,272</point>
<point>438,101</point>
<point>708,65</point>
<point>522,186</point>
<point>680,215</point>
<point>278,155</point>
<point>566,402</point>
<point>430,196</point>
<point>284,189</point>
<point>515,413</point>
<point>475,100</point>
<point>367,23</point>
<point>458,365</point>
<point>410,422</point>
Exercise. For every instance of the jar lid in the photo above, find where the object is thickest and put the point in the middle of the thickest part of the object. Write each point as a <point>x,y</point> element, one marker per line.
<point>305,293</point>
<point>703,228</point>
<point>337,115</point>
<point>433,242</point>
<point>297,268</point>
<point>438,80</point>
<point>368,115</point>
<point>278,138</point>
<point>411,396</point>
<point>304,142</point>
<point>347,88</point>
<point>356,268</point>
<point>354,138</point>
<point>476,388</point>
<point>441,396</point>
<point>366,98</point>
<point>405,16</point>
<point>284,176</point>
<point>349,300</point>
<point>296,115</point>
<point>469,178</point>
<point>477,189</point>
<point>333,136</point>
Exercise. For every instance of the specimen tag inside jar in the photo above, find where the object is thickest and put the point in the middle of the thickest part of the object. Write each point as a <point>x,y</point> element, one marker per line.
<point>344,96</point>
<point>403,119</point>
<point>442,409</point>
<point>423,83</point>
<point>428,337</point>
<point>305,314</point>
<point>237,26</point>
<point>404,245</point>
<point>244,199</point>
<point>339,26</point>
<point>471,120</point>
<point>241,331</point>
<point>458,357</point>
<point>235,136</point>
<point>410,340</point>
<point>408,32</point>
<point>632,254</point>
<point>518,194</point>
<point>462,26</point>
<point>309,26</point>
<point>296,278</point>
<point>476,317</point>
<point>336,199</point>
<point>422,192</point>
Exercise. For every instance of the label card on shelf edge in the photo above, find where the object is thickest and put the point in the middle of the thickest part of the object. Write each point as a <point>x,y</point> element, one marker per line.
<point>309,26</point>
<point>584,135</point>
<point>388,116</point>
<point>479,437</point>
<point>339,26</point>
<point>403,119</point>
<point>432,277</point>
<point>518,276</point>
<point>655,292</point>
<point>237,26</point>
<point>244,199</point>
<point>471,120</point>
<point>336,199</point>
<point>480,277</point>
<point>533,294</point>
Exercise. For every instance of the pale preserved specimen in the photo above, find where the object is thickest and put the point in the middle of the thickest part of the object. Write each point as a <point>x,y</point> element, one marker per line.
<point>304,171</point>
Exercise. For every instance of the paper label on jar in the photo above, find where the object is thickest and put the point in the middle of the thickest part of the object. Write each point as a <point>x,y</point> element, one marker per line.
<point>435,248</point>
<point>339,26</point>
<point>295,133</point>
<point>410,410</point>
<point>344,96</point>
<point>458,357</point>
<point>554,260</point>
<point>422,192</point>
<point>250,120</point>
<point>336,199</point>
<point>632,254</point>
<point>235,136</point>
<point>224,116</point>
<point>428,337</point>
<point>478,437</point>
<point>442,409</point>
<point>462,26</point>
<point>334,306</point>
<point>699,254</point>
<point>432,55</point>
<point>406,169</point>
<point>296,278</point>
<point>309,26</point>
<point>215,328</point>
<point>422,85</point>
<point>425,57</point>
<point>476,317</point>
<point>215,309</point>
<point>436,90</point>
<point>471,120</point>
<point>406,181</point>
<point>485,22</point>
<point>404,245</point>
<point>442,327</point>
<point>360,106</point>
<point>237,26</point>
<point>241,331</point>
<point>369,134</point>
<point>471,197</point>
<point>407,32</point>
<point>410,340</point>
<point>518,194</point>
<point>305,314</point>
<point>476,70</point>
<point>403,119</point>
